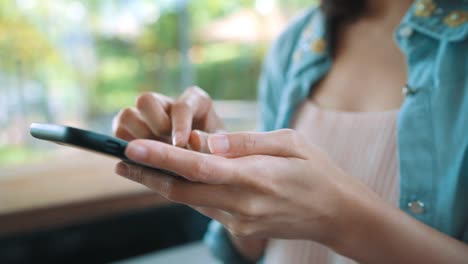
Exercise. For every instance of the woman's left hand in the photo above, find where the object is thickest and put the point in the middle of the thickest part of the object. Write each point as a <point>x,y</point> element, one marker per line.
<point>263,185</point>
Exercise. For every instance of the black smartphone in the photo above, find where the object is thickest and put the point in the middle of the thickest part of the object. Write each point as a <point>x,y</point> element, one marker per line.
<point>86,140</point>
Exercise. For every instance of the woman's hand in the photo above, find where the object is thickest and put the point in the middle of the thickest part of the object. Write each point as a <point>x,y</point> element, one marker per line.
<point>259,185</point>
<point>164,119</point>
<point>273,185</point>
<point>185,122</point>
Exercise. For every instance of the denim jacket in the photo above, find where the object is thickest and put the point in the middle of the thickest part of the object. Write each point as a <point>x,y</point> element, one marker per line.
<point>432,136</point>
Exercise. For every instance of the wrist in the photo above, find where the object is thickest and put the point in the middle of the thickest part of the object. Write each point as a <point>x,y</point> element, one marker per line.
<point>251,249</point>
<point>358,222</point>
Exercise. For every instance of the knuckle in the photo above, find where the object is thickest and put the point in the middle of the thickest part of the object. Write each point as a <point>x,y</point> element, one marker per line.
<point>201,171</point>
<point>289,133</point>
<point>145,99</point>
<point>201,95</point>
<point>250,209</point>
<point>197,90</point>
<point>240,228</point>
<point>181,106</point>
<point>164,156</point>
<point>275,185</point>
<point>249,142</point>
<point>136,174</point>
<point>167,189</point>
<point>126,115</point>
<point>269,183</point>
<point>293,140</point>
<point>193,90</point>
<point>120,132</point>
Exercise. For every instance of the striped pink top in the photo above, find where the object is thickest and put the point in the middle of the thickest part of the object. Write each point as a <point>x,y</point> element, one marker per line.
<point>361,143</point>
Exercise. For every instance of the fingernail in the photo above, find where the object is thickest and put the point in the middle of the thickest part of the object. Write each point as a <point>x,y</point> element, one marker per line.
<point>137,152</point>
<point>122,169</point>
<point>218,144</point>
<point>176,137</point>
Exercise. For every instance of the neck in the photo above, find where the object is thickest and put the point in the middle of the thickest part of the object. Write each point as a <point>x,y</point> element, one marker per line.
<point>387,11</point>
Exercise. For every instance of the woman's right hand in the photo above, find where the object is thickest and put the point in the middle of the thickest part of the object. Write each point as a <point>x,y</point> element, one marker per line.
<point>184,122</point>
<point>177,121</point>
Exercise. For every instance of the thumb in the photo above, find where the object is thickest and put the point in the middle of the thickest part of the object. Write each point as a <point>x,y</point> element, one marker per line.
<point>283,143</point>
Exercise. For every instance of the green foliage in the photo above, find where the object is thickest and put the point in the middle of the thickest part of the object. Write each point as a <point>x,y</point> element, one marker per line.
<point>152,63</point>
<point>22,42</point>
<point>204,12</point>
<point>149,63</point>
<point>160,36</point>
<point>233,78</point>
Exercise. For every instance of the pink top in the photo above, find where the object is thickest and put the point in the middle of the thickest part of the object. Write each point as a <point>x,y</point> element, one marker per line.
<point>361,143</point>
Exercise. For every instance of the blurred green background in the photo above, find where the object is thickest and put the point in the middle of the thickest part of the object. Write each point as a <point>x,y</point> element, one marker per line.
<point>79,62</point>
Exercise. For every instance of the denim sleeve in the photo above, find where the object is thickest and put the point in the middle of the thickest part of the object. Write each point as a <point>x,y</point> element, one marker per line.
<point>221,246</point>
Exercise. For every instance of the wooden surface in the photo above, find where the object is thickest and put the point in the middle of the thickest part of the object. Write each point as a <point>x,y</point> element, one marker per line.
<point>70,176</point>
<point>71,186</point>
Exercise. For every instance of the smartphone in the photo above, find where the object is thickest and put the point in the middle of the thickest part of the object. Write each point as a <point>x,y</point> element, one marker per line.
<point>85,140</point>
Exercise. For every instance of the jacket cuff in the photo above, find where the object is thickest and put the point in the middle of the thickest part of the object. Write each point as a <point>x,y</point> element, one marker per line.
<point>221,246</point>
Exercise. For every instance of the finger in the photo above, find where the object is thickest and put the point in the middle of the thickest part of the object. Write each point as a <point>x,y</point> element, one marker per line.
<point>194,104</point>
<point>154,109</point>
<point>179,190</point>
<point>194,166</point>
<point>283,143</point>
<point>198,141</point>
<point>130,120</point>
<point>122,133</point>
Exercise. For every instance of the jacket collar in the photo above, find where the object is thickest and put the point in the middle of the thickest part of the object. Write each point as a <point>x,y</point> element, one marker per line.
<point>312,48</point>
<point>443,20</point>
<point>311,51</point>
<point>440,19</point>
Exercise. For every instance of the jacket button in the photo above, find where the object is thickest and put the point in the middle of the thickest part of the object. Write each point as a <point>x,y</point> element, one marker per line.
<point>407,90</point>
<point>406,32</point>
<point>318,46</point>
<point>424,8</point>
<point>416,207</point>
<point>456,18</point>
